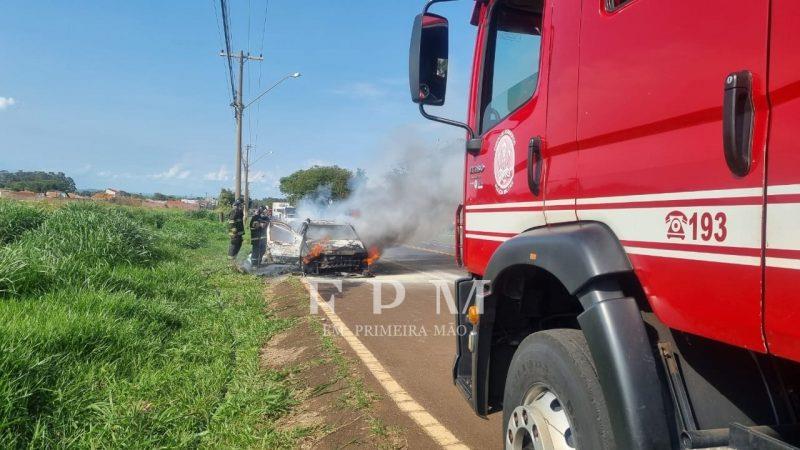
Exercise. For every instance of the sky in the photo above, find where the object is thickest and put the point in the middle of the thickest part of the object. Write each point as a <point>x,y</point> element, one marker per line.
<point>133,95</point>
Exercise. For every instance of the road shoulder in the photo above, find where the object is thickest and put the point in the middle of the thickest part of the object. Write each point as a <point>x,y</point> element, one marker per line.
<point>335,403</point>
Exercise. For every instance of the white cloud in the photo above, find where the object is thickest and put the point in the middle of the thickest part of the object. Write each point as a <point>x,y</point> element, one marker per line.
<point>220,175</point>
<point>174,172</point>
<point>5,102</point>
<point>361,89</point>
<point>114,176</point>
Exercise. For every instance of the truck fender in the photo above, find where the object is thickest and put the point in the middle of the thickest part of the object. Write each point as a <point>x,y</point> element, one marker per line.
<point>585,256</point>
<point>575,253</point>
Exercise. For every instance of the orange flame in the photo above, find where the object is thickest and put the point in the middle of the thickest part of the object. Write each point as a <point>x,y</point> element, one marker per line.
<point>372,255</point>
<point>315,252</point>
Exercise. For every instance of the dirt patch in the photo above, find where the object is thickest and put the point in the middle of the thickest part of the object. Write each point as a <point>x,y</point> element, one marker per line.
<point>283,350</point>
<point>334,406</point>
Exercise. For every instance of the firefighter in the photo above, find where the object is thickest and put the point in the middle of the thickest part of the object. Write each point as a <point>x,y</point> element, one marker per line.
<point>258,236</point>
<point>235,228</point>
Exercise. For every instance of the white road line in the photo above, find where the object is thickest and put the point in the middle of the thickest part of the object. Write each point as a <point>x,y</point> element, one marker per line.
<point>401,398</point>
<point>438,275</point>
<point>414,247</point>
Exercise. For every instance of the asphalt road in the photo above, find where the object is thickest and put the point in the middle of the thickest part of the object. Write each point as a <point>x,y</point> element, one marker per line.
<point>413,341</point>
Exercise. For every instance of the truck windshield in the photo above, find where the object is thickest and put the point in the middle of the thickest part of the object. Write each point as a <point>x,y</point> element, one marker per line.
<point>512,60</point>
<point>332,232</point>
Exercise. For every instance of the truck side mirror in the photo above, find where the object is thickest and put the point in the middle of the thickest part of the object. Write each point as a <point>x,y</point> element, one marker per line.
<point>427,63</point>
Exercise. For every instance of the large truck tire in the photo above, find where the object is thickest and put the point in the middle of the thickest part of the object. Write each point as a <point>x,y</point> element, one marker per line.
<point>552,398</point>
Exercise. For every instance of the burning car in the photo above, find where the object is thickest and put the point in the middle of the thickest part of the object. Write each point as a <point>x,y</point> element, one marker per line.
<point>318,246</point>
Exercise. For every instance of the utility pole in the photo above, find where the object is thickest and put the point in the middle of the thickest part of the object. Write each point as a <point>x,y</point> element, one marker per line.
<point>246,164</point>
<point>238,106</point>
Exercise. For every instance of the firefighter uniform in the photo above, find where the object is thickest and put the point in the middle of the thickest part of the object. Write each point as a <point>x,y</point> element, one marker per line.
<point>258,236</point>
<point>235,228</point>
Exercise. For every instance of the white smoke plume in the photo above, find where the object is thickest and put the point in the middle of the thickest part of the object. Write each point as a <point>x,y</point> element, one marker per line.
<point>412,201</point>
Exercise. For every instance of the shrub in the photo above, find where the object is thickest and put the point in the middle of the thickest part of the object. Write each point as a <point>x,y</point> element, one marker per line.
<point>20,273</point>
<point>188,233</point>
<point>16,218</point>
<point>91,234</point>
<point>203,214</point>
<point>73,246</point>
<point>113,335</point>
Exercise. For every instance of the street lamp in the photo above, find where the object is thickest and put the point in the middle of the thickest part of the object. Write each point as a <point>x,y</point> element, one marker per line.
<point>239,114</point>
<point>291,75</point>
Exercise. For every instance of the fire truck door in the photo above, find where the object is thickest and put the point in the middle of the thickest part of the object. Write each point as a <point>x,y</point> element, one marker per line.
<point>672,124</point>
<point>782,300</point>
<point>502,196</point>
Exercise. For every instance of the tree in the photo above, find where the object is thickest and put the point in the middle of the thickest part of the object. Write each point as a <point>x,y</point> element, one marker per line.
<point>225,197</point>
<point>332,182</point>
<point>36,181</point>
<point>88,192</point>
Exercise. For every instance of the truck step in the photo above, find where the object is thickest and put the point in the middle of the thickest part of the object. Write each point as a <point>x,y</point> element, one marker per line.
<point>764,437</point>
<point>464,383</point>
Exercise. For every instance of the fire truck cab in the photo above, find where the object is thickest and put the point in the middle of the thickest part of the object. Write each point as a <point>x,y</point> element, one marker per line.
<point>629,220</point>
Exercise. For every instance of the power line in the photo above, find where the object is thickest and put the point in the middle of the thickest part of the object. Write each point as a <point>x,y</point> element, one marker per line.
<point>261,52</point>
<point>226,27</point>
<point>248,25</point>
<point>249,74</point>
<point>219,35</point>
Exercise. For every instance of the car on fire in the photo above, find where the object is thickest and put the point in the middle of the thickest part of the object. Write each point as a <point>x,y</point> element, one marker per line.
<point>317,246</point>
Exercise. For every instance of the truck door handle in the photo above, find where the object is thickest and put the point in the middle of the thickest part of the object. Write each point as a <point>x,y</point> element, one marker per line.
<point>737,122</point>
<point>535,164</point>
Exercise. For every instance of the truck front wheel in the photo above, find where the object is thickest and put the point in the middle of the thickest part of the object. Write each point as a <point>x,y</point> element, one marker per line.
<point>552,398</point>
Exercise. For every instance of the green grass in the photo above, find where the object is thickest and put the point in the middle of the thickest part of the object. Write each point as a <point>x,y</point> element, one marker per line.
<point>126,328</point>
<point>16,218</point>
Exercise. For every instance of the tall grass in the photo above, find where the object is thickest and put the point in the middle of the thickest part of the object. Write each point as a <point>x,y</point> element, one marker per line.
<point>16,218</point>
<point>126,328</point>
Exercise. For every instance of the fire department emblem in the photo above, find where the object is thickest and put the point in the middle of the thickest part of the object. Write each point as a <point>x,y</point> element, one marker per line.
<point>504,162</point>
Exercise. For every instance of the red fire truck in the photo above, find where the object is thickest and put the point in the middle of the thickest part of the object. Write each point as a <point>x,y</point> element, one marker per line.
<point>630,220</point>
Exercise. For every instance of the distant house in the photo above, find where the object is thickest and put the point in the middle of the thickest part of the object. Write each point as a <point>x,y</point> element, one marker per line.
<point>113,192</point>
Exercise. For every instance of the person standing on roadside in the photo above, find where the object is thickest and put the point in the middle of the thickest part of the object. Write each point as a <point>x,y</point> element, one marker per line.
<point>258,236</point>
<point>235,228</point>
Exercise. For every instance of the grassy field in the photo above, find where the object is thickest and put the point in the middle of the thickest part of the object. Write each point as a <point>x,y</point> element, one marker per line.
<point>124,328</point>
